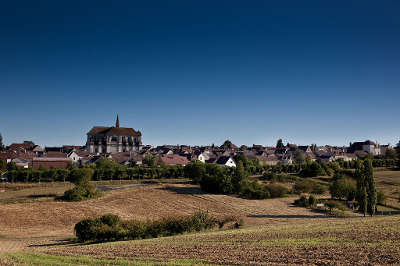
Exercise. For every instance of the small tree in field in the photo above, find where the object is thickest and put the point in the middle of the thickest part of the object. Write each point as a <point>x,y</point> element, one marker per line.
<point>82,190</point>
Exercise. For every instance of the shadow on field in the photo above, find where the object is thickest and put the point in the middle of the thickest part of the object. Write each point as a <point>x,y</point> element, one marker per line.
<point>290,216</point>
<point>184,190</point>
<point>59,242</point>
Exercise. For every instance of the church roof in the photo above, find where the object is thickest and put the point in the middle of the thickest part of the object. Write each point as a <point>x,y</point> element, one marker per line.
<point>124,131</point>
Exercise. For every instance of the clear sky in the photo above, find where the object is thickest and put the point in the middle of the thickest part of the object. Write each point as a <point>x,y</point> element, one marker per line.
<point>200,72</point>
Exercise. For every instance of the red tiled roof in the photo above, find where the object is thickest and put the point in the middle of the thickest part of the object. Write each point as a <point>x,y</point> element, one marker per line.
<point>174,159</point>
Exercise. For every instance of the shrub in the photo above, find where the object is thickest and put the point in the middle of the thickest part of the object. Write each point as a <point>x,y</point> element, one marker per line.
<point>85,230</point>
<point>81,192</point>
<point>254,190</point>
<point>301,202</point>
<point>312,170</point>
<point>274,177</point>
<point>308,186</point>
<point>333,204</point>
<point>109,227</point>
<point>312,201</point>
<point>381,197</point>
<point>277,191</point>
<point>343,188</point>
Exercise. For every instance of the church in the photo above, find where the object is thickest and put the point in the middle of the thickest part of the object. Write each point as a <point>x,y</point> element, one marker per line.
<point>113,139</point>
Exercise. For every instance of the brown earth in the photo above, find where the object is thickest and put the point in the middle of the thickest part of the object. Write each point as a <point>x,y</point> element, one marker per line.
<point>39,219</point>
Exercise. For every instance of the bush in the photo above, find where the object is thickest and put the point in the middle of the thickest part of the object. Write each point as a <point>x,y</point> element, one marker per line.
<point>333,204</point>
<point>312,201</point>
<point>308,186</point>
<point>274,177</point>
<point>109,227</point>
<point>343,188</point>
<point>254,190</point>
<point>301,202</point>
<point>312,170</point>
<point>381,197</point>
<point>277,191</point>
<point>81,192</point>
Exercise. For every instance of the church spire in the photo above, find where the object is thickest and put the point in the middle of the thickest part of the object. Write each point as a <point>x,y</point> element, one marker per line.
<point>117,122</point>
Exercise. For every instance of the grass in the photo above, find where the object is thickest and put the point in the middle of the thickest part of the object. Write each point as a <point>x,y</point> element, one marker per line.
<point>33,192</point>
<point>50,260</point>
<point>389,183</point>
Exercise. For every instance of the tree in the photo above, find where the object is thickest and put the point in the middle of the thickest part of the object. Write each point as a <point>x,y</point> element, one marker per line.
<point>279,144</point>
<point>239,176</point>
<point>3,165</point>
<point>391,154</point>
<point>81,176</point>
<point>300,156</point>
<point>1,143</point>
<point>367,196</point>
<point>371,188</point>
<point>227,145</point>
<point>150,160</point>
<point>195,171</point>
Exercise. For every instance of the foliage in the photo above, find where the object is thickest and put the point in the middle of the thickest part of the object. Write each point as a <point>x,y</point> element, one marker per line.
<point>150,160</point>
<point>274,177</point>
<point>111,227</point>
<point>312,201</point>
<point>81,192</point>
<point>279,144</point>
<point>343,188</point>
<point>391,154</point>
<point>302,202</point>
<point>366,196</point>
<point>334,204</point>
<point>1,143</point>
<point>300,156</point>
<point>3,165</point>
<point>381,197</point>
<point>308,186</point>
<point>312,170</point>
<point>195,171</point>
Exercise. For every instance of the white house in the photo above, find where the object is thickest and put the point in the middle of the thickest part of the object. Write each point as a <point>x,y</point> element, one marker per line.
<point>226,161</point>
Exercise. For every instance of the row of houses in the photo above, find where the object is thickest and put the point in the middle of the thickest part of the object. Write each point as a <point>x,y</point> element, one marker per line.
<point>29,155</point>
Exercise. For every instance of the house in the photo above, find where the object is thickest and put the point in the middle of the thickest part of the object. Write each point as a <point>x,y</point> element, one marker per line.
<point>74,156</point>
<point>226,161</point>
<point>366,146</point>
<point>47,163</point>
<point>56,154</point>
<point>173,159</point>
<point>21,162</point>
<point>306,149</point>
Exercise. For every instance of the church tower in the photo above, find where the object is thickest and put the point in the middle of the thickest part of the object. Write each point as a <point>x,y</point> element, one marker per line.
<point>117,122</point>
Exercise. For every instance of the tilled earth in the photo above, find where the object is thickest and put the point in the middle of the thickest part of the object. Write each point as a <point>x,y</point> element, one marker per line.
<point>348,241</point>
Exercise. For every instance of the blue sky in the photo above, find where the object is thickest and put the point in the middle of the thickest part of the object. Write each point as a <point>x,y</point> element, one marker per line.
<point>200,72</point>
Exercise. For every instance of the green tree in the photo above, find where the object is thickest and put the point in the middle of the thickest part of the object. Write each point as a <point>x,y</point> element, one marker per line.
<point>3,165</point>
<point>279,144</point>
<point>1,143</point>
<point>391,154</point>
<point>300,156</point>
<point>227,144</point>
<point>81,176</point>
<point>239,176</point>
<point>150,160</point>
<point>371,187</point>
<point>195,171</point>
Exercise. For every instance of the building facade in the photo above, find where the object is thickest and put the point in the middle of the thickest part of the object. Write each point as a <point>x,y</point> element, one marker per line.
<point>113,139</point>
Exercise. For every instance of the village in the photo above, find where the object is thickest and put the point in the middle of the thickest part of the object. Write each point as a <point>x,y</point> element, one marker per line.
<point>124,146</point>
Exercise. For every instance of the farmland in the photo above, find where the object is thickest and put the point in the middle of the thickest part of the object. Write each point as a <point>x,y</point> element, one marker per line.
<point>38,229</point>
